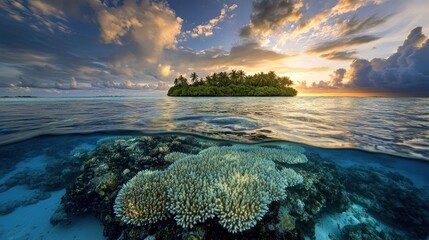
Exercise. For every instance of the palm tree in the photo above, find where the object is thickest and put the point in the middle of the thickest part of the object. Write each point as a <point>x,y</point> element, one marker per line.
<point>285,81</point>
<point>213,79</point>
<point>241,75</point>
<point>233,76</point>
<point>223,79</point>
<point>194,77</point>
<point>201,81</point>
<point>183,80</point>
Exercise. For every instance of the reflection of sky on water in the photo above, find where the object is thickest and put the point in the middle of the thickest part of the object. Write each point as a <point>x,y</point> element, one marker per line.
<point>392,125</point>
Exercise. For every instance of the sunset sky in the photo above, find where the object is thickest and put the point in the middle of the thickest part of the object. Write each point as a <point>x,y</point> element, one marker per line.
<point>128,47</point>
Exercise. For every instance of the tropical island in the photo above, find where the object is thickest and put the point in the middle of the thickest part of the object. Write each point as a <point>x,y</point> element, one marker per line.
<point>234,83</point>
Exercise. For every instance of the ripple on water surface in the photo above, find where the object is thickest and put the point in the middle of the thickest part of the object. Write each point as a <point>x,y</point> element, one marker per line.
<point>392,125</point>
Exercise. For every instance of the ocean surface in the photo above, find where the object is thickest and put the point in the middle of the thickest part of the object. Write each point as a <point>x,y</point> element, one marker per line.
<point>41,137</point>
<point>398,126</point>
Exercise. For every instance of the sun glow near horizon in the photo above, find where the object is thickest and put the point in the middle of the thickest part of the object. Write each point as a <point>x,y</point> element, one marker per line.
<point>326,48</point>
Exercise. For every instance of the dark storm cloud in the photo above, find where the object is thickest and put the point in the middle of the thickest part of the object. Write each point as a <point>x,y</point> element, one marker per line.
<point>406,72</point>
<point>340,55</point>
<point>342,43</point>
<point>269,15</point>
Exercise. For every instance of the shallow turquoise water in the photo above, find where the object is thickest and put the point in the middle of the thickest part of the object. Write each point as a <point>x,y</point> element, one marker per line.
<point>39,136</point>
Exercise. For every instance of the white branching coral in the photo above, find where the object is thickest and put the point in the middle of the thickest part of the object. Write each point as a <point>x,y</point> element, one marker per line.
<point>287,153</point>
<point>293,177</point>
<point>235,184</point>
<point>143,199</point>
<point>174,156</point>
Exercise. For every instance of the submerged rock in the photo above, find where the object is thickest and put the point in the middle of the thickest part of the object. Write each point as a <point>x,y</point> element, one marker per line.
<point>60,217</point>
<point>55,175</point>
<point>10,206</point>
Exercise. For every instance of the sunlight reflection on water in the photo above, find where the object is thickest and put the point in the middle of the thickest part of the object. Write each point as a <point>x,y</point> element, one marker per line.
<point>390,125</point>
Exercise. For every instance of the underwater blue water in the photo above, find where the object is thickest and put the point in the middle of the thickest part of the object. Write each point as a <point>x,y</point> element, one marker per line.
<point>391,134</point>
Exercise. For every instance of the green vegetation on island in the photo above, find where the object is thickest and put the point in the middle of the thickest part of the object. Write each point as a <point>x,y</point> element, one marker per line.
<point>234,83</point>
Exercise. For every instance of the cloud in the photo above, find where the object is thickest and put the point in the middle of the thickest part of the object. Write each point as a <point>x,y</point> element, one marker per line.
<point>107,43</point>
<point>113,27</point>
<point>164,70</point>
<point>128,44</point>
<point>340,55</point>
<point>337,77</point>
<point>42,8</point>
<point>336,82</point>
<point>406,72</point>
<point>347,27</point>
<point>148,27</point>
<point>244,56</point>
<point>250,54</point>
<point>336,22</point>
<point>73,84</point>
<point>130,85</point>
<point>40,15</point>
<point>346,32</point>
<point>29,83</point>
<point>270,15</point>
<point>341,43</point>
<point>162,86</point>
<point>345,6</point>
<point>206,30</point>
<point>342,7</point>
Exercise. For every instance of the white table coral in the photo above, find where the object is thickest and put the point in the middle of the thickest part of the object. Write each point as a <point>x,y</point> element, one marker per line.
<point>235,184</point>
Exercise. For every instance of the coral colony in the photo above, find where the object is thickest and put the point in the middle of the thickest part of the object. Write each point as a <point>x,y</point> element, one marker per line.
<point>234,184</point>
<point>185,187</point>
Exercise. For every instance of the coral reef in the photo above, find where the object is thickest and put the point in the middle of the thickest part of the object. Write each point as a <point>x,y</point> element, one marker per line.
<point>323,191</point>
<point>195,188</point>
<point>113,163</point>
<point>123,158</point>
<point>287,154</point>
<point>171,167</point>
<point>234,184</point>
<point>143,199</point>
<point>286,222</point>
<point>364,231</point>
<point>391,198</point>
<point>174,156</point>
